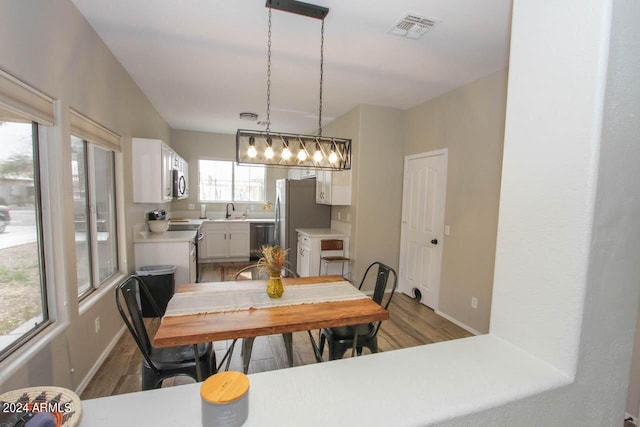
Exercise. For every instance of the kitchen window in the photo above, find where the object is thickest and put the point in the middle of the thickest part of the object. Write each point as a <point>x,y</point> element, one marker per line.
<point>225,181</point>
<point>94,207</point>
<point>23,287</point>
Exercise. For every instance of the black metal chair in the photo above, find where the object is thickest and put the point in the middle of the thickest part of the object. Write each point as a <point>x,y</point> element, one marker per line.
<point>256,273</point>
<point>159,364</point>
<point>365,335</point>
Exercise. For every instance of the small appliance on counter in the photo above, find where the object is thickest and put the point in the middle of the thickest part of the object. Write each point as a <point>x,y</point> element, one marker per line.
<point>157,215</point>
<point>157,221</point>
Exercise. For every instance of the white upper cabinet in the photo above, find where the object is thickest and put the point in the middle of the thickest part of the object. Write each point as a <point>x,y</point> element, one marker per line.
<point>153,163</point>
<point>333,187</point>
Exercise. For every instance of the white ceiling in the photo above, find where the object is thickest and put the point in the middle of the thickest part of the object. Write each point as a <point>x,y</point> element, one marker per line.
<point>202,62</point>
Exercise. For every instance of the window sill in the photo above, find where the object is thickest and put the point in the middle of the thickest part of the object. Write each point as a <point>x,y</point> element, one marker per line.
<point>95,296</point>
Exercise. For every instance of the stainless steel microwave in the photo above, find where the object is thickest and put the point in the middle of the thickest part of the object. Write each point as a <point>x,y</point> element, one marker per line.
<point>180,185</point>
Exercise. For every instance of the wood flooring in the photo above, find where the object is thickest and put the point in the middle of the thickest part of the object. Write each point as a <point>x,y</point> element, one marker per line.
<point>411,324</point>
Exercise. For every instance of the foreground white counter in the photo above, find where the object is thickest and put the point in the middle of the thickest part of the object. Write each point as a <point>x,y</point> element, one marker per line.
<point>410,387</point>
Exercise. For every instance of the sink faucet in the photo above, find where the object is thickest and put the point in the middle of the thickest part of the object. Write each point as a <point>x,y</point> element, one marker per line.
<point>233,208</point>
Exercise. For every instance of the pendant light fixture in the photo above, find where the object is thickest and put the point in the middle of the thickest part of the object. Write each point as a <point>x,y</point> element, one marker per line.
<point>287,149</point>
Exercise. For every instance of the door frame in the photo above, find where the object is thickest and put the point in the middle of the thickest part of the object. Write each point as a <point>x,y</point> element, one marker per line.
<point>439,152</point>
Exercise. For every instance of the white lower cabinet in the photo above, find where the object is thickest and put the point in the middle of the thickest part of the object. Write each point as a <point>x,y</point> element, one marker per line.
<point>225,241</point>
<point>181,254</point>
<point>308,263</point>
<point>215,240</point>
<point>304,256</point>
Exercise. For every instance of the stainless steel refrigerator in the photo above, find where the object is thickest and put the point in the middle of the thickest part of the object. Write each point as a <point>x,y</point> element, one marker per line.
<point>296,207</point>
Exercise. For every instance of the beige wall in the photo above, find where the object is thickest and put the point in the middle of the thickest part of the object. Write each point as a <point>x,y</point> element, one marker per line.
<point>51,47</point>
<point>348,126</point>
<point>633,398</point>
<point>192,146</point>
<point>379,195</point>
<point>469,122</point>
<point>377,135</point>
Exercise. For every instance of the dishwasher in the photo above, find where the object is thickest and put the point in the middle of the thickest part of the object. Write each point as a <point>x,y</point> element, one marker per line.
<point>260,233</point>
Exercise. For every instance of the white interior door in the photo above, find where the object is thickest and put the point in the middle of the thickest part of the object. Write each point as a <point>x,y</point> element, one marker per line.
<point>423,200</point>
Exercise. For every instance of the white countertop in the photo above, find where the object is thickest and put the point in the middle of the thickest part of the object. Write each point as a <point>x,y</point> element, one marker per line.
<point>187,221</point>
<point>415,386</point>
<point>201,221</point>
<point>262,220</point>
<point>166,237</point>
<point>321,232</point>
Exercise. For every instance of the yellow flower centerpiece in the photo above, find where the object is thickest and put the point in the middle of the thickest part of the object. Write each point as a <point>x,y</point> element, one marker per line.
<point>272,261</point>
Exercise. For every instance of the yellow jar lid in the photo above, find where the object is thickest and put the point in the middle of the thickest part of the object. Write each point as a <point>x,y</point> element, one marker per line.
<point>224,387</point>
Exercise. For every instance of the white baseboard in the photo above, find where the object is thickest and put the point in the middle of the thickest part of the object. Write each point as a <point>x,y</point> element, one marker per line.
<point>457,322</point>
<point>94,369</point>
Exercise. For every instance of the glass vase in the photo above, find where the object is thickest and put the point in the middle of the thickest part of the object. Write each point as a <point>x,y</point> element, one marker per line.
<point>274,286</point>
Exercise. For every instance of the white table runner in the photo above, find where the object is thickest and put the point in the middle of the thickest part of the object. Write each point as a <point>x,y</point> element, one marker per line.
<point>232,297</point>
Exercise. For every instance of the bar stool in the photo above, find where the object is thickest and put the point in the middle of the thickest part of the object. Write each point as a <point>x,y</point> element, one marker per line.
<point>332,246</point>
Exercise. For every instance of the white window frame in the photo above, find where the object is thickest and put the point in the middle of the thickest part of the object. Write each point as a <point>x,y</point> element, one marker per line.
<point>29,105</point>
<point>234,165</point>
<point>94,136</point>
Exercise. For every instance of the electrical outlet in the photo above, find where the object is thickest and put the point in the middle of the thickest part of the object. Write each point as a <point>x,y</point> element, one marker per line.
<point>474,302</point>
<point>192,206</point>
<point>447,230</point>
<point>97,324</point>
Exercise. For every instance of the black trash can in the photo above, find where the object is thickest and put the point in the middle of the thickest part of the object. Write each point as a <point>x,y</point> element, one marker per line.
<point>161,284</point>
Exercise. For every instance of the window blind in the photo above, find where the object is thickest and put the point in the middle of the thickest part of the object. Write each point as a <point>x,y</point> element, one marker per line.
<point>19,98</point>
<point>85,128</point>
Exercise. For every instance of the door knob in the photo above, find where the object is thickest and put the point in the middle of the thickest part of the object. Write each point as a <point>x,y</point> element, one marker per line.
<point>434,242</point>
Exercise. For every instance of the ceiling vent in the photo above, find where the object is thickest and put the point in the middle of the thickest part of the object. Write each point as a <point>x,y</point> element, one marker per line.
<point>413,26</point>
<point>249,116</point>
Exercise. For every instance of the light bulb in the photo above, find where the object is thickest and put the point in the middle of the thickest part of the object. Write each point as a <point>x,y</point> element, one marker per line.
<point>252,152</point>
<point>268,153</point>
<point>286,153</point>
<point>317,156</point>
<point>333,157</point>
<point>302,155</point>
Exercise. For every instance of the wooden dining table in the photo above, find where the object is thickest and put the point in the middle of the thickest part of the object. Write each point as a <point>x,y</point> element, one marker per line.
<point>200,328</point>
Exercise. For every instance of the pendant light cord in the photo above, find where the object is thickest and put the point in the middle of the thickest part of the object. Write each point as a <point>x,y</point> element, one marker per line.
<point>269,74</point>
<point>321,75</point>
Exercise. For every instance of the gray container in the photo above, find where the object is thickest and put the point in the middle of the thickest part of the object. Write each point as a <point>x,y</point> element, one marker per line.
<point>161,284</point>
<point>225,399</point>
